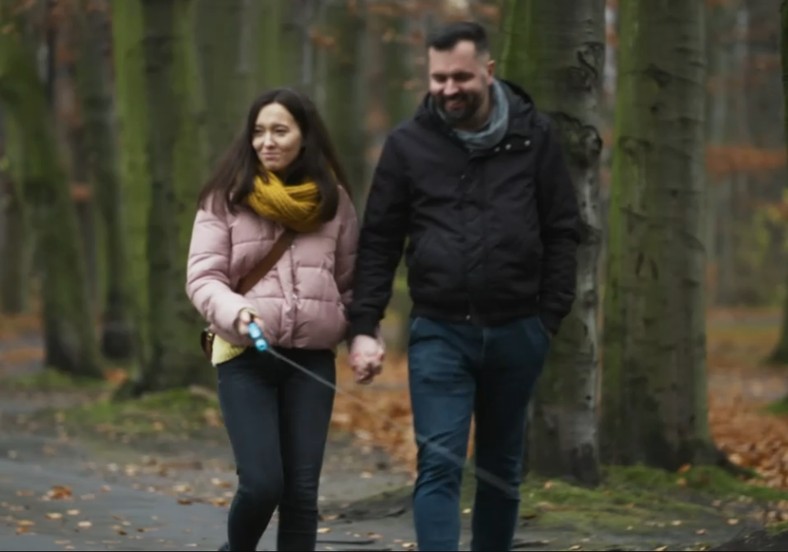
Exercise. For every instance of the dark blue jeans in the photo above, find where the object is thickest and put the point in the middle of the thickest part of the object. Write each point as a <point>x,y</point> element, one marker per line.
<point>277,419</point>
<point>460,370</point>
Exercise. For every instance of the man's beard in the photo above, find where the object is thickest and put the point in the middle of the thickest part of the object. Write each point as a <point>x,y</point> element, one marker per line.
<point>463,114</point>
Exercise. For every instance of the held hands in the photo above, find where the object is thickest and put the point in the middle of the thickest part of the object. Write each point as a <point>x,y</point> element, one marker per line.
<point>366,358</point>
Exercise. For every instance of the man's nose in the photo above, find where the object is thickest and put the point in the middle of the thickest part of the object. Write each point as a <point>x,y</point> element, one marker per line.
<point>450,89</point>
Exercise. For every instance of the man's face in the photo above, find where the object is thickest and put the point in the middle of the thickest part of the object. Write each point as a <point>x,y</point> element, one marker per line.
<point>460,81</point>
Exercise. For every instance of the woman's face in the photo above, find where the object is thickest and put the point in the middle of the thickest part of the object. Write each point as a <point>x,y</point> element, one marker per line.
<point>276,138</point>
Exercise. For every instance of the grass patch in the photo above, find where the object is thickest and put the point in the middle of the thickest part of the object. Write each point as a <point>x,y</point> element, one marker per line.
<point>49,380</point>
<point>637,500</point>
<point>184,412</point>
<point>779,407</point>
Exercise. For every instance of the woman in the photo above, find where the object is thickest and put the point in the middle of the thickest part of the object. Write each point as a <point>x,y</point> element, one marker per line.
<point>281,175</point>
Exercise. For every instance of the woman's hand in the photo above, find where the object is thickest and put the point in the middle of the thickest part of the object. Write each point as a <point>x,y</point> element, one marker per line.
<point>242,321</point>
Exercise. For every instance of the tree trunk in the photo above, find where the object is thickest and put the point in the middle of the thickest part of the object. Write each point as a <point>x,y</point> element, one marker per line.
<point>344,105</point>
<point>16,232</point>
<point>278,43</point>
<point>69,338</point>
<point>93,85</point>
<point>226,69</point>
<point>654,379</point>
<point>127,48</point>
<point>780,354</point>
<point>558,52</point>
<point>175,156</point>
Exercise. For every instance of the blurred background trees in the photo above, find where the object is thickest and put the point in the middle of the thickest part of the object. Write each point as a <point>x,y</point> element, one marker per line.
<point>112,112</point>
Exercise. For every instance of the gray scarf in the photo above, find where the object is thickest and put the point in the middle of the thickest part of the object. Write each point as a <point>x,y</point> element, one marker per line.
<point>495,129</point>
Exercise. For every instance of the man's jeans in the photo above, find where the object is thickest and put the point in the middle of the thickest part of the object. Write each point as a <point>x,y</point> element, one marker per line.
<point>458,370</point>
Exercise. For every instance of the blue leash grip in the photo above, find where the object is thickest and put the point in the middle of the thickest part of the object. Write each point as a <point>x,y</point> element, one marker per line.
<point>257,337</point>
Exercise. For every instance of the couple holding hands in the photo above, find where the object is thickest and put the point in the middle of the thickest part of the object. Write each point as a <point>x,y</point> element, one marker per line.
<point>474,189</point>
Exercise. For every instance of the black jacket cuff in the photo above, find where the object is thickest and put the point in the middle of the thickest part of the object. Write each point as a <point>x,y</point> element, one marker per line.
<point>363,325</point>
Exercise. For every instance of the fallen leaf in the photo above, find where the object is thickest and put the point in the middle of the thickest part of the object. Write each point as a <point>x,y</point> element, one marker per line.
<point>54,515</point>
<point>733,521</point>
<point>575,547</point>
<point>324,530</point>
<point>73,512</point>
<point>216,482</point>
<point>185,501</point>
<point>700,532</point>
<point>59,492</point>
<point>676,522</point>
<point>25,493</point>
<point>660,548</point>
<point>466,511</point>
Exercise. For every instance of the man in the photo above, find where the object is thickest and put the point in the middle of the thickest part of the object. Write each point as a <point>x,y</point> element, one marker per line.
<point>477,183</point>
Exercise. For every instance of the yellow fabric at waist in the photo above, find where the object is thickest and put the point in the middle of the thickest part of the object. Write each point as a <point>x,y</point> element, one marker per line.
<point>224,351</point>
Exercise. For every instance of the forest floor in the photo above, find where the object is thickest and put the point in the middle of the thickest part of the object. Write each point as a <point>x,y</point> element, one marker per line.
<point>80,472</point>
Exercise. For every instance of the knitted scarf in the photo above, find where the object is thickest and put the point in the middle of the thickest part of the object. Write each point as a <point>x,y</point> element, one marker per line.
<point>297,206</point>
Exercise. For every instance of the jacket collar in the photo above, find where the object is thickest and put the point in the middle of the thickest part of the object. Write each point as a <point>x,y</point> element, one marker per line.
<point>521,111</point>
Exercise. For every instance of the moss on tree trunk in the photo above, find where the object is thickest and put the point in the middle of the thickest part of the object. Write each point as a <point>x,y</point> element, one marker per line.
<point>134,170</point>
<point>17,242</point>
<point>780,354</point>
<point>556,49</point>
<point>654,377</point>
<point>176,157</point>
<point>93,85</point>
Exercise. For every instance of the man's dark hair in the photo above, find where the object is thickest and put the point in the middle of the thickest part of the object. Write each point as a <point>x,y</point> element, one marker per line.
<point>447,37</point>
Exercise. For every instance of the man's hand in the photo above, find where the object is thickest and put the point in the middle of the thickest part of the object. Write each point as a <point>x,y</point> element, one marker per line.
<point>366,358</point>
<point>242,322</point>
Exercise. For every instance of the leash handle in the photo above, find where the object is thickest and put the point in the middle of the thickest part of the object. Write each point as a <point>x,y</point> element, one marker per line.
<point>257,336</point>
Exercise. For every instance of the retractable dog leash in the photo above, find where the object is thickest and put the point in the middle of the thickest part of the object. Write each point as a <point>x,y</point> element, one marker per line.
<point>260,343</point>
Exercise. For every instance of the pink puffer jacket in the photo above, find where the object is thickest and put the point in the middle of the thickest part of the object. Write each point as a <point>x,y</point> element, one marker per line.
<point>301,300</point>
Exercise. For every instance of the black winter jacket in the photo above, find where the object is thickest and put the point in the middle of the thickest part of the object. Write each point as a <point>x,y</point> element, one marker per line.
<point>491,236</point>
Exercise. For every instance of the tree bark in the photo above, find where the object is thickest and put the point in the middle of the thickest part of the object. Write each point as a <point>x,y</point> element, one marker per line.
<point>780,354</point>
<point>69,338</point>
<point>176,156</point>
<point>654,377</point>
<point>16,232</point>
<point>278,43</point>
<point>94,87</point>
<point>556,48</point>
<point>132,113</point>
<point>345,102</point>
<point>225,49</point>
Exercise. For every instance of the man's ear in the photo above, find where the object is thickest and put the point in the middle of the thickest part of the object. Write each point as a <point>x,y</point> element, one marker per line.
<point>491,68</point>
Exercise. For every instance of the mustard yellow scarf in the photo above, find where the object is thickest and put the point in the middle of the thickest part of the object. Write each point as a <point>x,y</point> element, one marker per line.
<point>296,207</point>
